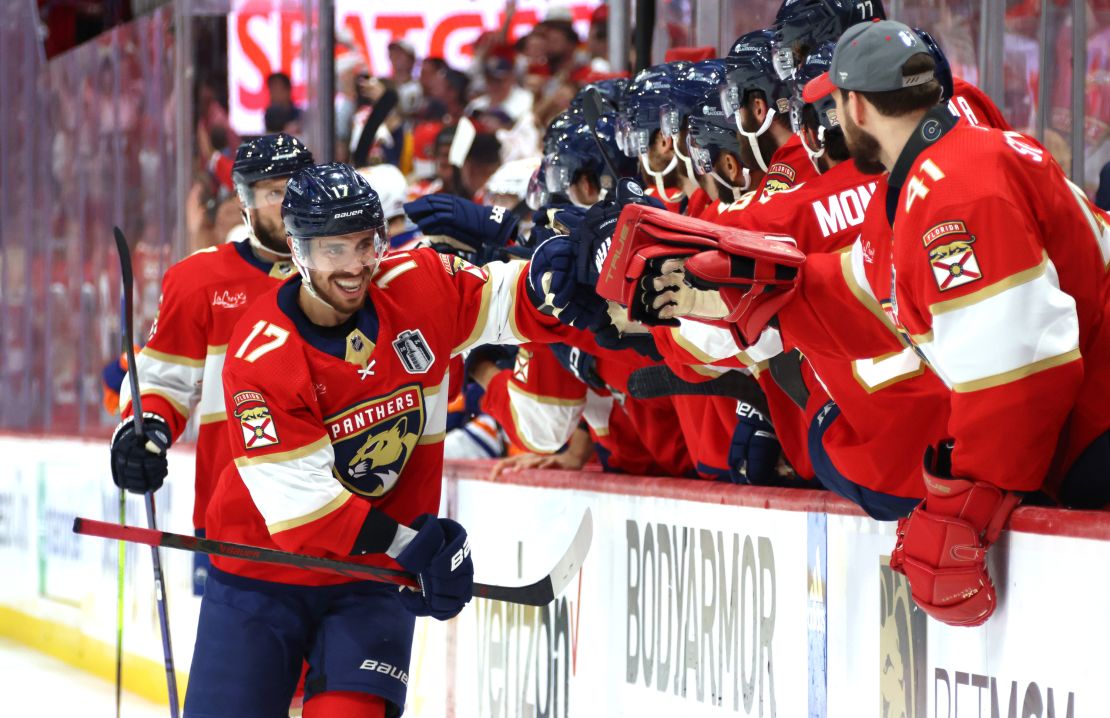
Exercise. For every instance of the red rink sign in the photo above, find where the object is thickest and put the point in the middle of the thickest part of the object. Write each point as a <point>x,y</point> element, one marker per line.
<point>264,38</point>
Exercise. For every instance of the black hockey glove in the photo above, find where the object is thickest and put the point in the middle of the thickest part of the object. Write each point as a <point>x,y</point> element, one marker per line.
<point>439,555</point>
<point>139,462</point>
<point>753,457</point>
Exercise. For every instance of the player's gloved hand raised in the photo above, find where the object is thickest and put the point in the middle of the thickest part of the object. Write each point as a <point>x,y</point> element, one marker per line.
<point>139,462</point>
<point>477,228</point>
<point>439,555</point>
<point>552,220</point>
<point>595,233</point>
<point>554,290</point>
<point>754,454</point>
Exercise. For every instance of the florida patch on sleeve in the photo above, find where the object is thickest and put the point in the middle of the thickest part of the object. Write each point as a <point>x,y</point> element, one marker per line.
<point>953,262</point>
<point>255,420</point>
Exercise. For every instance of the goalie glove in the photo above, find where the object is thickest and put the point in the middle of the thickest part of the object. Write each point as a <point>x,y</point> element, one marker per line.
<point>942,546</point>
<point>755,274</point>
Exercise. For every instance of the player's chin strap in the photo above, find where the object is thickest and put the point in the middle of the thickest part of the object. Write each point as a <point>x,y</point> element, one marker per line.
<point>685,160</point>
<point>814,155</point>
<point>736,191</point>
<point>753,137</point>
<point>658,177</point>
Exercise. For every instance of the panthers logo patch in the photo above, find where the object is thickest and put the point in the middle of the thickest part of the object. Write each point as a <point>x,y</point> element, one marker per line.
<point>374,440</point>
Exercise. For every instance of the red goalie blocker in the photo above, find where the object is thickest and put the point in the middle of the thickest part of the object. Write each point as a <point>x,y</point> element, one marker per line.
<point>755,273</point>
<point>644,233</point>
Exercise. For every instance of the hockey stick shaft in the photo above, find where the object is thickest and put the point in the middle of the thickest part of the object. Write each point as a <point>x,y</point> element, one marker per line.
<point>591,108</point>
<point>128,277</point>
<point>539,593</point>
<point>382,108</point>
<point>121,563</point>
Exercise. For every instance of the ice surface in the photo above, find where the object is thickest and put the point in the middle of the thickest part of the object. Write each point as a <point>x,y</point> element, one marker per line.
<point>36,684</point>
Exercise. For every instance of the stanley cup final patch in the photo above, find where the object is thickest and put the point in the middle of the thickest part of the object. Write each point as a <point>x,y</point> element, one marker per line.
<point>953,262</point>
<point>255,420</point>
<point>414,352</point>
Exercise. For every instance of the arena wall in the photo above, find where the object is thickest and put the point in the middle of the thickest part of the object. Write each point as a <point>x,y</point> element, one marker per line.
<point>697,599</point>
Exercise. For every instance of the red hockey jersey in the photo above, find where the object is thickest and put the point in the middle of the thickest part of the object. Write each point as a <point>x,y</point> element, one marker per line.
<point>326,422</point>
<point>998,276</point>
<point>203,296</point>
<point>876,442</point>
<point>788,166</point>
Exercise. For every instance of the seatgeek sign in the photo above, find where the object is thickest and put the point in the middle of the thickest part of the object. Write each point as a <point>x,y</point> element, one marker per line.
<point>264,37</point>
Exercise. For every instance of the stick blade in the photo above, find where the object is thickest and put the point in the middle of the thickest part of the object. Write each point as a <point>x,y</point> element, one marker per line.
<point>545,590</point>
<point>571,563</point>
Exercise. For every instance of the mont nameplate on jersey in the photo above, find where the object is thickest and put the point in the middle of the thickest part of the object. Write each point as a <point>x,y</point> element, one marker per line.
<point>374,439</point>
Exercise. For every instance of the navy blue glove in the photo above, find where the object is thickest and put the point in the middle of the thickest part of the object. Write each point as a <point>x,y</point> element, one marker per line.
<point>439,555</point>
<point>479,227</point>
<point>593,236</point>
<point>135,466</point>
<point>582,364</point>
<point>551,220</point>
<point>577,305</point>
<point>754,454</point>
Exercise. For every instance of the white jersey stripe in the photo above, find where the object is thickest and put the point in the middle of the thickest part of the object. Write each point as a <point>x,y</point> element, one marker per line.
<point>1005,335</point>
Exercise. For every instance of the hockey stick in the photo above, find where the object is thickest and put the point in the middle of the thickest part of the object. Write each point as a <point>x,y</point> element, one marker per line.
<point>137,412</point>
<point>591,108</point>
<point>539,593</point>
<point>651,382</point>
<point>382,108</point>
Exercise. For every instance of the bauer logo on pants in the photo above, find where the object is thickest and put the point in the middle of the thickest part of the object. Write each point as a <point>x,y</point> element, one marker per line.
<point>255,420</point>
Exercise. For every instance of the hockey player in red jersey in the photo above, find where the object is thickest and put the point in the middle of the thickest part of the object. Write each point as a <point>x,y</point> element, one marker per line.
<point>864,444</point>
<point>338,385</point>
<point>202,298</point>
<point>1002,296</point>
<point>758,99</point>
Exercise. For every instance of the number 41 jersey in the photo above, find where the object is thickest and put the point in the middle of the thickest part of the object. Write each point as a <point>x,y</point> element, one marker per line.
<point>326,422</point>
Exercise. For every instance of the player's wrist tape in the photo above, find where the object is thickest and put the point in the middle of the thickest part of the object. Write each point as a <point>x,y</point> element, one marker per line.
<point>381,534</point>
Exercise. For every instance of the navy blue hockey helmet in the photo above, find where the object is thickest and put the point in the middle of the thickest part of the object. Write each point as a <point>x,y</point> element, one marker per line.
<point>816,64</point>
<point>576,153</point>
<point>751,68</point>
<point>267,157</point>
<point>804,25</point>
<point>690,88</point>
<point>612,93</point>
<point>647,96</point>
<point>820,116</point>
<point>943,70</point>
<point>328,201</point>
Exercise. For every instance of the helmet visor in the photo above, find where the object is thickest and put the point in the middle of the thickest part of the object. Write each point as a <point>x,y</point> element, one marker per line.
<point>557,177</point>
<point>263,193</point>
<point>783,59</point>
<point>730,99</point>
<point>537,190</point>
<point>348,252</point>
<point>669,120</point>
<point>700,157</point>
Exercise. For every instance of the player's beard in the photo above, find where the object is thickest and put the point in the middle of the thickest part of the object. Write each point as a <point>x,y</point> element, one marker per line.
<point>342,300</point>
<point>863,146</point>
<point>269,231</point>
